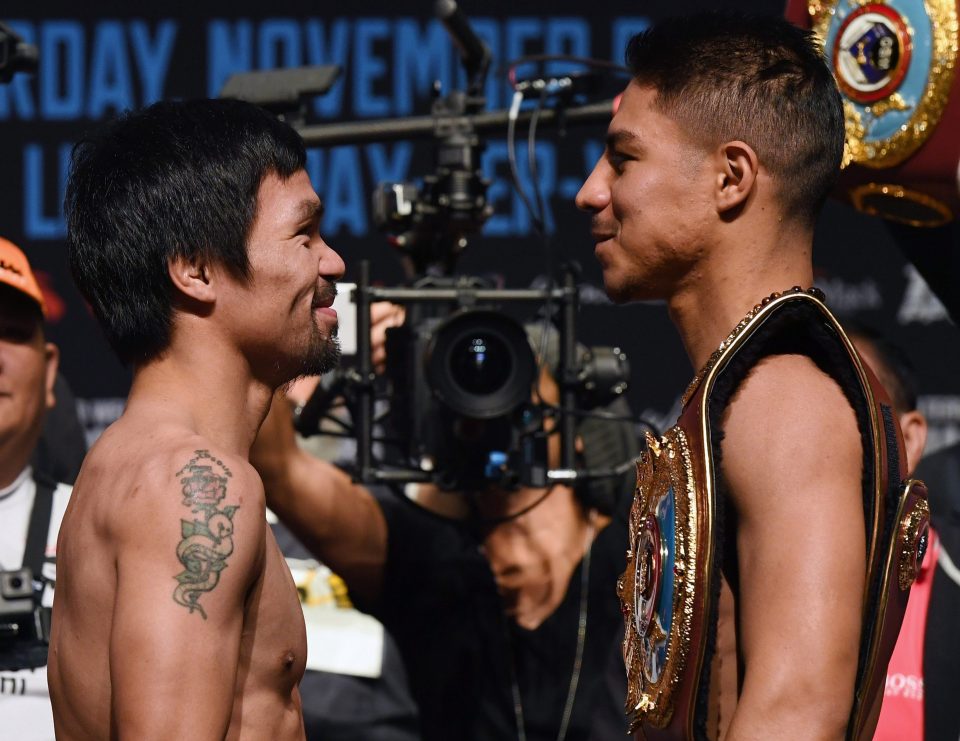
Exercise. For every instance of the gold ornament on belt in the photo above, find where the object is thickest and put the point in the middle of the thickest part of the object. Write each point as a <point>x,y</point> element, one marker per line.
<point>657,589</point>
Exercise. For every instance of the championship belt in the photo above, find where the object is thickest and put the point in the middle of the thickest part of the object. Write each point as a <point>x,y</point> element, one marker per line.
<point>669,590</point>
<point>664,587</point>
<point>895,63</point>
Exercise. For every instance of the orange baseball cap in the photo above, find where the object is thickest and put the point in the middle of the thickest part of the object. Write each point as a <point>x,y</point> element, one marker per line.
<point>15,272</point>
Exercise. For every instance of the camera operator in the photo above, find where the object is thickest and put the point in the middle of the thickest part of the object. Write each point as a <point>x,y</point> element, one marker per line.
<point>500,600</point>
<point>31,505</point>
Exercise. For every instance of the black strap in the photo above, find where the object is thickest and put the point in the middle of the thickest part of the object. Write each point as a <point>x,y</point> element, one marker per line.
<point>39,527</point>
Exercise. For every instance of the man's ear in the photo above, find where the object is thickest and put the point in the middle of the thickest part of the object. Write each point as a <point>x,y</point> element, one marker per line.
<point>737,169</point>
<point>52,362</point>
<point>191,277</point>
<point>913,425</point>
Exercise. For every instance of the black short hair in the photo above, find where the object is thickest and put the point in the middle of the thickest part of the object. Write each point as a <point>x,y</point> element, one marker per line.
<point>173,179</point>
<point>898,373</point>
<point>759,79</point>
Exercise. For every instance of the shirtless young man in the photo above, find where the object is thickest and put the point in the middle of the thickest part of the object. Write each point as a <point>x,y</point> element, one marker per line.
<point>193,232</point>
<point>718,159</point>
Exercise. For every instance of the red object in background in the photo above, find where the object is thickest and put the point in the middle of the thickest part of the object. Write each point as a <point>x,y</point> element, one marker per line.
<point>922,188</point>
<point>56,307</point>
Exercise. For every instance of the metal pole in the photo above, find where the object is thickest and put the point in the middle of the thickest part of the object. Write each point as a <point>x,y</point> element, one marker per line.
<point>568,371</point>
<point>424,127</point>
<point>364,422</point>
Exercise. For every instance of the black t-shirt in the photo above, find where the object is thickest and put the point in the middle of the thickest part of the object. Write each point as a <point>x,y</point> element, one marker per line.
<point>440,602</point>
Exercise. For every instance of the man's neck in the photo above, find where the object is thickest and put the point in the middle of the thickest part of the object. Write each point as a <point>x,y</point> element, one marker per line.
<point>720,293</point>
<point>214,394</point>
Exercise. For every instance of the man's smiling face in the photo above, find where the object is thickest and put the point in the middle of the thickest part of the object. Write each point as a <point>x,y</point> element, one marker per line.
<point>650,196</point>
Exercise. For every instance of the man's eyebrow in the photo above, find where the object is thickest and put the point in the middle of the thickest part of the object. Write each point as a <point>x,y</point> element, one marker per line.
<point>622,137</point>
<point>309,210</point>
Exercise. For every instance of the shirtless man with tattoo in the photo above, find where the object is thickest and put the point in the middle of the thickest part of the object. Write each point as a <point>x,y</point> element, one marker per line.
<point>193,232</point>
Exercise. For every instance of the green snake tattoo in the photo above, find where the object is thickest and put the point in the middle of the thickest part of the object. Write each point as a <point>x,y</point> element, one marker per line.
<point>207,540</point>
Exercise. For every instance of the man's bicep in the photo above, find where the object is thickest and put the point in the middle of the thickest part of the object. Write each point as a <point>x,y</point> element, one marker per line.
<point>182,578</point>
<point>793,463</point>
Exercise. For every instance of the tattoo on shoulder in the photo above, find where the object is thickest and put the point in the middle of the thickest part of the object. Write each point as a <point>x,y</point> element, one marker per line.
<point>206,539</point>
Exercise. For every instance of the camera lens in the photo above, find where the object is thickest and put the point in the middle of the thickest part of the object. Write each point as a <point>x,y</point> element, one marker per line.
<point>481,363</point>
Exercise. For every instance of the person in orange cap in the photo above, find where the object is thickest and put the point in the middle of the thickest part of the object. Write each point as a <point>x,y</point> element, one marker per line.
<point>31,505</point>
<point>15,272</point>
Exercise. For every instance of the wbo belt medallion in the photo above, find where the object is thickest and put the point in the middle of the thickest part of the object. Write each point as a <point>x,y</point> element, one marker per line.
<point>657,589</point>
<point>871,53</point>
<point>895,63</point>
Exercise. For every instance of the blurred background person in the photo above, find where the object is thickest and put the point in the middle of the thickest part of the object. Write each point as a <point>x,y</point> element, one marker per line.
<point>31,503</point>
<point>923,672</point>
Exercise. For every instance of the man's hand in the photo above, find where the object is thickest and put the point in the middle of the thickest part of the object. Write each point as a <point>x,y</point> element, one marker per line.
<point>383,316</point>
<point>793,460</point>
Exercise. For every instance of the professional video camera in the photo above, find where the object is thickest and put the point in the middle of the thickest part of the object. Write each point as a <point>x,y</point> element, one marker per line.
<point>24,623</point>
<point>466,400</point>
<point>15,54</point>
<point>462,377</point>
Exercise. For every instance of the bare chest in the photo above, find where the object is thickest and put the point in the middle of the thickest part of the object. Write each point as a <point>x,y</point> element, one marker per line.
<point>274,643</point>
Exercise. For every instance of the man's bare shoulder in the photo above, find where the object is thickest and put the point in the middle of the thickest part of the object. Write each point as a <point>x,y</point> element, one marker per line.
<point>789,422</point>
<point>142,479</point>
<point>789,383</point>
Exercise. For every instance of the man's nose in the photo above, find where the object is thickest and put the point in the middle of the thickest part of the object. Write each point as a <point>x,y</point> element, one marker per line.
<point>594,194</point>
<point>331,266</point>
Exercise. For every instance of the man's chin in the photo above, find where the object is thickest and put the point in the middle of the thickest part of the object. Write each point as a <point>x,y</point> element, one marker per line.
<point>617,291</point>
<point>621,291</point>
<point>323,357</point>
